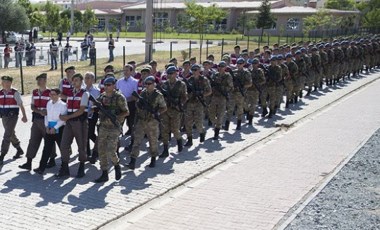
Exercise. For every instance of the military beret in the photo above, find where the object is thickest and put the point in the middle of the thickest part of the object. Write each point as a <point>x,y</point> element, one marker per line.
<point>149,79</point>
<point>210,56</point>
<point>7,78</point>
<point>222,64</point>
<point>303,50</point>
<point>314,49</point>
<point>195,67</point>
<point>110,67</point>
<point>280,57</point>
<point>226,57</point>
<point>207,62</point>
<point>109,74</point>
<point>153,62</point>
<point>186,62</point>
<point>321,46</point>
<point>237,47</point>
<point>289,55</point>
<point>171,69</point>
<point>77,75</point>
<point>240,61</point>
<point>70,68</point>
<point>169,64</point>
<point>192,59</point>
<point>42,76</point>
<point>145,70</point>
<point>298,52</point>
<point>132,62</point>
<point>255,61</point>
<point>327,45</point>
<point>244,51</point>
<point>274,58</point>
<point>109,80</point>
<point>173,60</point>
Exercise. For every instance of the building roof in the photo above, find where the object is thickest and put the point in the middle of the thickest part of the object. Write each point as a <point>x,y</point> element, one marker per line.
<point>304,10</point>
<point>103,5</point>
<point>106,12</point>
<point>181,5</point>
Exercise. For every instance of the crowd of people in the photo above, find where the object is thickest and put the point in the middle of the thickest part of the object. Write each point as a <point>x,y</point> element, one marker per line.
<point>189,98</point>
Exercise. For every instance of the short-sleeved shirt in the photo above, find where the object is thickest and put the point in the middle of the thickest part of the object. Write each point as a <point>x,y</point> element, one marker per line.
<point>127,86</point>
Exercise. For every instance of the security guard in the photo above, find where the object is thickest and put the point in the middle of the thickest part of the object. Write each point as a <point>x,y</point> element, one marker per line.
<point>10,104</point>
<point>114,102</point>
<point>76,126</point>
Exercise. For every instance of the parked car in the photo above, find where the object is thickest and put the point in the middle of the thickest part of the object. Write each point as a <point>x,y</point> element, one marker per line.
<point>12,37</point>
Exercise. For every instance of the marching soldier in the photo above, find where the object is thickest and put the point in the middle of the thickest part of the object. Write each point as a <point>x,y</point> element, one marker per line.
<point>115,103</point>
<point>273,79</point>
<point>241,81</point>
<point>284,77</point>
<point>253,92</point>
<point>315,69</point>
<point>301,72</point>
<point>108,72</point>
<point>198,87</point>
<point>309,70</point>
<point>76,127</point>
<point>150,105</point>
<point>10,105</point>
<point>222,85</point>
<point>175,94</point>
<point>40,98</point>
<point>292,83</point>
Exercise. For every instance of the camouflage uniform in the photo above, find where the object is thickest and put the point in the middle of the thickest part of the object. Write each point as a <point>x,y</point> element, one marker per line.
<point>194,112</point>
<point>240,78</point>
<point>280,87</point>
<point>310,73</point>
<point>146,124</point>
<point>301,75</point>
<point>109,135</point>
<point>324,65</point>
<point>171,119</point>
<point>316,64</point>
<point>253,92</point>
<point>274,77</point>
<point>330,66</point>
<point>338,62</point>
<point>292,84</point>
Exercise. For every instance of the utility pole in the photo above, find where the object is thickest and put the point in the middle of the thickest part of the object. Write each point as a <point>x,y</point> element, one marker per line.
<point>148,30</point>
<point>72,17</point>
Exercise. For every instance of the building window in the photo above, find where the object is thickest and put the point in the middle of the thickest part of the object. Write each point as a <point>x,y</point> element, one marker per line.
<point>101,24</point>
<point>160,19</point>
<point>132,20</point>
<point>293,24</point>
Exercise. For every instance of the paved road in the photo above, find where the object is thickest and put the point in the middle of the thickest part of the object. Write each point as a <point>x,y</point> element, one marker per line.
<point>31,201</point>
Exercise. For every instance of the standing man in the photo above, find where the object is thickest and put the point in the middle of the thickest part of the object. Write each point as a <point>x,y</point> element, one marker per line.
<point>274,78</point>
<point>111,47</point>
<point>84,48</point>
<point>126,85</point>
<point>114,102</point>
<point>7,55</point>
<point>65,85</point>
<point>222,85</point>
<point>40,98</point>
<point>53,127</point>
<point>76,127</point>
<point>199,87</point>
<point>242,81</point>
<point>53,54</point>
<point>10,104</point>
<point>175,97</point>
<point>92,114</point>
<point>146,124</point>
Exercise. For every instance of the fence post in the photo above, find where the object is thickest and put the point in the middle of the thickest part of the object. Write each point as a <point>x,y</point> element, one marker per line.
<point>287,38</point>
<point>248,43</point>
<point>222,51</point>
<point>268,40</point>
<point>189,49</point>
<point>21,73</point>
<point>95,65</point>
<point>236,42</point>
<point>61,55</point>
<point>171,50</point>
<point>123,56</point>
<point>259,44</point>
<point>206,48</point>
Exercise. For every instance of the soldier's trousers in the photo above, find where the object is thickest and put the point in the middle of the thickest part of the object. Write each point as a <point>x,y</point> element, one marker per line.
<point>74,129</point>
<point>107,144</point>
<point>310,79</point>
<point>194,115</point>
<point>171,123</point>
<point>252,98</point>
<point>217,110</point>
<point>279,95</point>
<point>271,91</point>
<point>264,97</point>
<point>150,128</point>
<point>9,124</point>
<point>289,89</point>
<point>37,134</point>
<point>237,100</point>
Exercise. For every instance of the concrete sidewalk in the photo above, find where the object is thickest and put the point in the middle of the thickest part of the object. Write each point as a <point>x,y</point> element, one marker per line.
<point>30,201</point>
<point>258,187</point>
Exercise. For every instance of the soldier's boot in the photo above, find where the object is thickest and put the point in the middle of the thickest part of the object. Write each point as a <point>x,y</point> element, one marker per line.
<point>27,165</point>
<point>132,163</point>
<point>226,125</point>
<point>180,145</point>
<point>164,153</point>
<point>287,104</point>
<point>238,126</point>
<point>301,94</point>
<point>315,89</point>
<point>250,118</point>
<point>63,171</point>
<point>202,137</point>
<point>216,134</point>
<point>295,100</point>
<point>270,114</point>
<point>103,177</point>
<point>275,110</point>
<point>321,85</point>
<point>117,172</point>
<point>209,123</point>
<point>2,155</point>
<point>129,147</point>
<point>308,92</point>
<point>189,141</point>
<point>80,173</point>
<point>327,82</point>
<point>94,157</point>
<point>265,112</point>
<point>51,163</point>
<point>19,153</point>
<point>152,162</point>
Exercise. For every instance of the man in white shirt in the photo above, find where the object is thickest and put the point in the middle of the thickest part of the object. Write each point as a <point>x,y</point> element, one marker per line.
<point>53,125</point>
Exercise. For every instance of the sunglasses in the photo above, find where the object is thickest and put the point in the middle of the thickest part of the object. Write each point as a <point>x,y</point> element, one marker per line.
<point>149,83</point>
<point>108,84</point>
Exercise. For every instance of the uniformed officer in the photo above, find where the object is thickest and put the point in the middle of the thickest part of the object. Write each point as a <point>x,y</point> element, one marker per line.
<point>175,97</point>
<point>76,127</point>
<point>10,105</point>
<point>115,103</point>
<point>222,85</point>
<point>274,78</point>
<point>40,98</point>
<point>199,87</point>
<point>292,84</point>
<point>65,84</point>
<point>149,106</point>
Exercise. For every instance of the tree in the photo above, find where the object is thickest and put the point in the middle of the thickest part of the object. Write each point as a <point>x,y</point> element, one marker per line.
<point>264,19</point>
<point>37,19</point>
<point>89,19</point>
<point>340,4</point>
<point>64,23</point>
<point>246,22</point>
<point>321,20</point>
<point>52,17</point>
<point>200,17</point>
<point>13,17</point>
<point>370,12</point>
<point>114,24</point>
